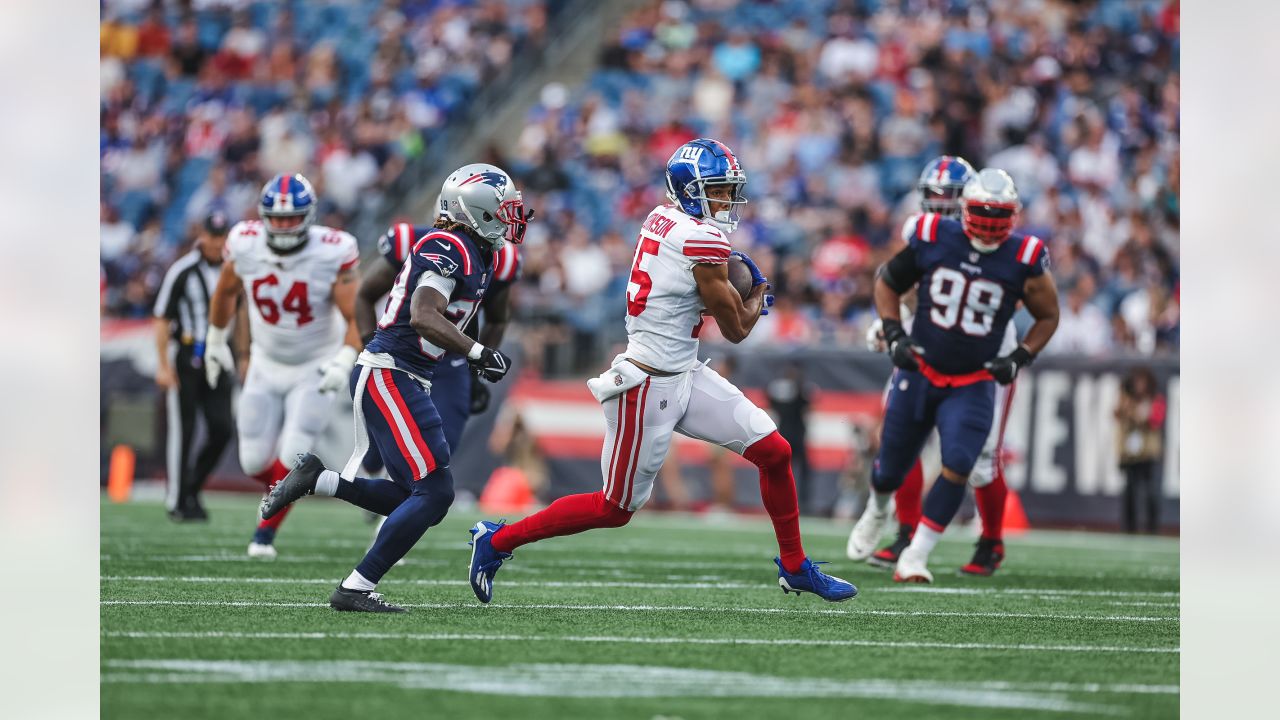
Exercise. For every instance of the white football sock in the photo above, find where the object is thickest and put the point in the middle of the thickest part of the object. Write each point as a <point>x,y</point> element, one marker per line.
<point>356,581</point>
<point>925,539</point>
<point>327,483</point>
<point>881,500</point>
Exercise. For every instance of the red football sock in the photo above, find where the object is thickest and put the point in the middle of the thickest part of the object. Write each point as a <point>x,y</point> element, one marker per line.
<point>990,501</point>
<point>908,496</point>
<point>270,477</point>
<point>569,515</point>
<point>772,455</point>
<point>274,522</point>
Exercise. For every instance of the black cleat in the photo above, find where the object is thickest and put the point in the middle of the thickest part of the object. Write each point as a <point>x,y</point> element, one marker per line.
<point>986,559</point>
<point>887,557</point>
<point>300,482</point>
<point>194,510</point>
<point>346,600</point>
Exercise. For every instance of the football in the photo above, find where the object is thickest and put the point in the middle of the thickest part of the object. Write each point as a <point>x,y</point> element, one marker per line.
<point>739,277</point>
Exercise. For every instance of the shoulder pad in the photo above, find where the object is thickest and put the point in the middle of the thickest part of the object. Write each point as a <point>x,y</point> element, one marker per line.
<point>705,243</point>
<point>394,245</point>
<point>1031,250</point>
<point>444,252</point>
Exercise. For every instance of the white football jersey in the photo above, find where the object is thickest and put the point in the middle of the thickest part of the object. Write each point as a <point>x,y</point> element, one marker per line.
<point>664,310</point>
<point>292,317</point>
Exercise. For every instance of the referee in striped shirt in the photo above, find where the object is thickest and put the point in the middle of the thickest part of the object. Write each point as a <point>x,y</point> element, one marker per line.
<point>181,321</point>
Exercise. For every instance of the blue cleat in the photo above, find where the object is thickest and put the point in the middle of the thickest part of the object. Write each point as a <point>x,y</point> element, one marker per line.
<point>811,579</point>
<point>485,560</point>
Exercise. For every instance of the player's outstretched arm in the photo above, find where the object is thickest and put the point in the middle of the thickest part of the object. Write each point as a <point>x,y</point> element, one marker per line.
<point>382,275</point>
<point>1040,295</point>
<point>734,316</point>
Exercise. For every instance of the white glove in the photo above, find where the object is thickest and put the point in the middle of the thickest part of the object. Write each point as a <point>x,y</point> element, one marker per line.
<point>336,373</point>
<point>217,355</point>
<point>875,337</point>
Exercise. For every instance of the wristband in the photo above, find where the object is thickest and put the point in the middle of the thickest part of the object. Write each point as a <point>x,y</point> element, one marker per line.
<point>475,352</point>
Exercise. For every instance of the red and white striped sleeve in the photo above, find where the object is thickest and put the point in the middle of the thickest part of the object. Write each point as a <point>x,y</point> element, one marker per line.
<point>708,246</point>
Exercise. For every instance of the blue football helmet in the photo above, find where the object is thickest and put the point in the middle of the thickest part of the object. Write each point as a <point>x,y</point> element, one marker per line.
<point>698,165</point>
<point>941,183</point>
<point>287,209</point>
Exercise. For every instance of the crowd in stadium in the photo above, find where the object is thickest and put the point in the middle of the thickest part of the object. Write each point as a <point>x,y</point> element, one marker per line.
<point>833,109</point>
<point>832,106</point>
<point>203,101</point>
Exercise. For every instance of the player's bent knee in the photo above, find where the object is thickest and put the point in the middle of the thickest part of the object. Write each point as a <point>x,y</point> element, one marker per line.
<point>610,515</point>
<point>954,476</point>
<point>255,458</point>
<point>770,451</point>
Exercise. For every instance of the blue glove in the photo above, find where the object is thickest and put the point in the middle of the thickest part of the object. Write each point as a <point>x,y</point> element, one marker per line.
<point>768,303</point>
<point>757,277</point>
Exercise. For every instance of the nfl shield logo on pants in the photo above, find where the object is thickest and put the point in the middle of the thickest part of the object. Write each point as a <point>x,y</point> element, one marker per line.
<point>662,405</point>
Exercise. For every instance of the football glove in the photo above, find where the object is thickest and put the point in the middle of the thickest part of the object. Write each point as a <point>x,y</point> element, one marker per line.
<point>336,373</point>
<point>757,277</point>
<point>1005,369</point>
<point>479,394</point>
<point>875,337</point>
<point>768,303</point>
<point>217,355</point>
<point>902,349</point>
<point>490,364</point>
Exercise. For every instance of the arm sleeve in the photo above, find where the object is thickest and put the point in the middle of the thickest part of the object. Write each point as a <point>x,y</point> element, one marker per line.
<point>709,247</point>
<point>437,282</point>
<point>902,271</point>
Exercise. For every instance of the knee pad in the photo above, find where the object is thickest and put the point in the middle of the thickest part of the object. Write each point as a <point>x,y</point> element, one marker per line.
<point>770,451</point>
<point>255,457</point>
<point>610,515</point>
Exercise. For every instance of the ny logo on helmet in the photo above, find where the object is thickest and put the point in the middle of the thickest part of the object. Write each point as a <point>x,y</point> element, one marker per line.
<point>691,154</point>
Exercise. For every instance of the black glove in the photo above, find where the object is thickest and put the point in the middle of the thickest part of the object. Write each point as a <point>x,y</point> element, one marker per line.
<point>902,349</point>
<point>1005,369</point>
<point>492,365</point>
<point>479,394</point>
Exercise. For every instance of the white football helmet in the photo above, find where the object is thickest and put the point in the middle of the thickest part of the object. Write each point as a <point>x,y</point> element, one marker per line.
<point>989,208</point>
<point>484,198</point>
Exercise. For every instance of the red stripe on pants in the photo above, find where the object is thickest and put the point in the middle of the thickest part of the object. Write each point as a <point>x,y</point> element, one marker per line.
<point>409,421</point>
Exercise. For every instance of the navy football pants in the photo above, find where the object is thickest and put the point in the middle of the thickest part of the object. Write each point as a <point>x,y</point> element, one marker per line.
<point>914,407</point>
<point>451,394</point>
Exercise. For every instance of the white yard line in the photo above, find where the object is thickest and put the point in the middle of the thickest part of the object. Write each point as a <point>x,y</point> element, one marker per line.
<point>461,637</point>
<point>678,608</point>
<point>608,681</point>
<point>699,585</point>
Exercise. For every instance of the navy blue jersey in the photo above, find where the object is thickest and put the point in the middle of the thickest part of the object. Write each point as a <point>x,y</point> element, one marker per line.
<point>966,297</point>
<point>444,253</point>
<point>394,247</point>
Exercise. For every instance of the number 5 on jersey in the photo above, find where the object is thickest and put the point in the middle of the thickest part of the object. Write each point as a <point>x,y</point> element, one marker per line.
<point>639,298</point>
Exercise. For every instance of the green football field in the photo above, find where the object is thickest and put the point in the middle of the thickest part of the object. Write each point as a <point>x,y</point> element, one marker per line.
<point>673,616</point>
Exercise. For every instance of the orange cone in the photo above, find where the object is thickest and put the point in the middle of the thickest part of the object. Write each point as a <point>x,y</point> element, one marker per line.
<point>1015,518</point>
<point>507,492</point>
<point>120,474</point>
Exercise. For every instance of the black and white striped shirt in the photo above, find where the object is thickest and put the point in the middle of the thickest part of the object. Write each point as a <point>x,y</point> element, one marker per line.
<point>184,297</point>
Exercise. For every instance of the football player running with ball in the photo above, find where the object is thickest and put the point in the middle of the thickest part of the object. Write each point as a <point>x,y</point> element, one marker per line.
<point>658,387</point>
<point>971,273</point>
<point>300,280</point>
<point>436,293</point>
<point>940,186</point>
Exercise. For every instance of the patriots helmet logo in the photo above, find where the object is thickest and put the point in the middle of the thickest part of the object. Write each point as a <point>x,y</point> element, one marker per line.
<point>495,179</point>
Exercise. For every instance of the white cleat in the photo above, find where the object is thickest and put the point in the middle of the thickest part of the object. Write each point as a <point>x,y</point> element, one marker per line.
<point>912,568</point>
<point>867,532</point>
<point>259,550</point>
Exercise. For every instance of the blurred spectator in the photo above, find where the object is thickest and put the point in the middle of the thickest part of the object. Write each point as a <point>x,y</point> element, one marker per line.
<point>1082,327</point>
<point>1140,416</point>
<point>202,102</point>
<point>834,111</point>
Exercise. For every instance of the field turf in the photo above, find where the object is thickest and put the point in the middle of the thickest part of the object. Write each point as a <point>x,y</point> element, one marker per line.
<point>672,616</point>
